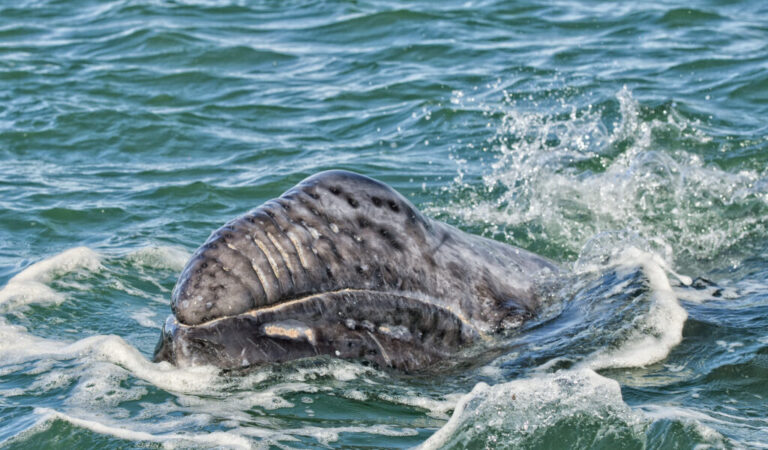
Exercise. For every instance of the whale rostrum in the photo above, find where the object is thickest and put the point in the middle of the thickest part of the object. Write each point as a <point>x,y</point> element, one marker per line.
<point>343,265</point>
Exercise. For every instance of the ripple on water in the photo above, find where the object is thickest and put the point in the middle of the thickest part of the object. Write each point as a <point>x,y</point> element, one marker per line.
<point>129,129</point>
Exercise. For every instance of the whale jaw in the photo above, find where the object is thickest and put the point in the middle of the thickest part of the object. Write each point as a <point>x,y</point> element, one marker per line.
<point>395,330</point>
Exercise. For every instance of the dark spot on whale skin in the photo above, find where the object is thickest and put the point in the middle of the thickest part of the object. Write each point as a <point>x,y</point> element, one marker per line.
<point>204,265</point>
<point>375,278</point>
<point>414,218</point>
<point>414,317</point>
<point>312,194</point>
<point>389,276</point>
<point>335,190</point>
<point>205,346</point>
<point>456,271</point>
<point>376,201</point>
<point>393,206</point>
<point>329,272</point>
<point>336,253</point>
<point>332,246</point>
<point>352,202</point>
<point>431,261</point>
<point>390,239</point>
<point>359,270</point>
<point>363,222</point>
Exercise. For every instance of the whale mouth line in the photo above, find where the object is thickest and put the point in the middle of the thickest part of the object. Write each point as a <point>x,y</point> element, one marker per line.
<point>276,307</point>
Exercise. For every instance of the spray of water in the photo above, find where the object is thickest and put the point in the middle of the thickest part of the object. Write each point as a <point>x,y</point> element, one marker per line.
<point>557,180</point>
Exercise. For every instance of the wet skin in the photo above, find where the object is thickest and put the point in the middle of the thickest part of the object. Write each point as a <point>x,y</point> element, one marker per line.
<point>343,265</point>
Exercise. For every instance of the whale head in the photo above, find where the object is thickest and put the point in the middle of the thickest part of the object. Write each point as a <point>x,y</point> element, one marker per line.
<point>343,265</point>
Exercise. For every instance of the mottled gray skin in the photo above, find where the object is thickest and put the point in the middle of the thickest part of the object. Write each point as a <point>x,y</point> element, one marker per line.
<point>343,265</point>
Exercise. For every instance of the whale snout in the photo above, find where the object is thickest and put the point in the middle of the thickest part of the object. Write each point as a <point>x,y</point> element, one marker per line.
<point>208,289</point>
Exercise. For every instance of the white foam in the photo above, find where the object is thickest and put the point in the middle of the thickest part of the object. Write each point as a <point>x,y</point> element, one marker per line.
<point>160,257</point>
<point>31,284</point>
<point>331,434</point>
<point>163,375</point>
<point>49,380</point>
<point>241,432</point>
<point>439,439</point>
<point>703,295</point>
<point>696,419</point>
<point>101,386</point>
<point>437,408</point>
<point>655,333</point>
<point>223,439</point>
<point>341,370</point>
<point>519,408</point>
<point>17,345</point>
<point>146,318</point>
<point>730,346</point>
<point>165,431</point>
<point>237,408</point>
<point>354,394</point>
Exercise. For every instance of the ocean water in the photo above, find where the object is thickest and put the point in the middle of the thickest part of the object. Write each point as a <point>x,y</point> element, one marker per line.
<point>627,142</point>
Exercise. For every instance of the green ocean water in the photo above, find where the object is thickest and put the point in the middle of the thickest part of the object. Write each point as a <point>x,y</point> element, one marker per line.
<point>627,142</point>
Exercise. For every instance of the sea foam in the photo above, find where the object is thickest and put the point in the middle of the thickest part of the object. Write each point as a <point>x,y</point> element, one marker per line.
<point>31,284</point>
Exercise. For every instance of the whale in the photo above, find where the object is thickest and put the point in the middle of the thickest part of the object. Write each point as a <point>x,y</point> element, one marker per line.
<point>344,266</point>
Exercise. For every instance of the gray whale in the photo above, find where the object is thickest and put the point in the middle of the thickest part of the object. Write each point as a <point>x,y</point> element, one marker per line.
<point>343,265</point>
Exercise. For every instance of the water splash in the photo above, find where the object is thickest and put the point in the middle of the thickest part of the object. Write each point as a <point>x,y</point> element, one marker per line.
<point>538,412</point>
<point>562,178</point>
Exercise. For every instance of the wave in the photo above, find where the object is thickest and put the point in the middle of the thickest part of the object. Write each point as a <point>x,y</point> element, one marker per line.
<point>31,285</point>
<point>577,407</point>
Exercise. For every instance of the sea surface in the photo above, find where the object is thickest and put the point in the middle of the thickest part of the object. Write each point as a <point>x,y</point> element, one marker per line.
<point>627,142</point>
